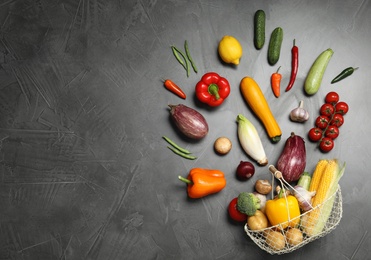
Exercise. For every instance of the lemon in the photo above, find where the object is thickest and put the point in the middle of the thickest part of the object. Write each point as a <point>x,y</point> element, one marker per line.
<point>230,50</point>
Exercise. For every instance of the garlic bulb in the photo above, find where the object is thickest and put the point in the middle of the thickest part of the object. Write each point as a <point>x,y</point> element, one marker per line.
<point>299,114</point>
<point>304,197</point>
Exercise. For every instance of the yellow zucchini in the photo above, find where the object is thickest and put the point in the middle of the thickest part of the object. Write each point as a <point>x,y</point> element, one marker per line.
<point>254,97</point>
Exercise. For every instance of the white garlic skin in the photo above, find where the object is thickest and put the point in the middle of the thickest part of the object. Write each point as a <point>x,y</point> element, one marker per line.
<point>299,114</point>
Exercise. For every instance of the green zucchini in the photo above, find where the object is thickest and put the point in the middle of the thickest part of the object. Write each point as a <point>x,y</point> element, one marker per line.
<point>259,29</point>
<point>316,72</point>
<point>274,48</point>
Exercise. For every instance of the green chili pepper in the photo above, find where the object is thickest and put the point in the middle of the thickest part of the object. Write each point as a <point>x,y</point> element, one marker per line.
<point>345,73</point>
<point>182,60</point>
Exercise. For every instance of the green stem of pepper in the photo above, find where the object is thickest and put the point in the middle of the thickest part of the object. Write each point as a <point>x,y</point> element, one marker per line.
<point>214,90</point>
<point>185,180</point>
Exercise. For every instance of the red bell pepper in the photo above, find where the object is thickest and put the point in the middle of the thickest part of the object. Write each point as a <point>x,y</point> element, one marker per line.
<point>212,89</point>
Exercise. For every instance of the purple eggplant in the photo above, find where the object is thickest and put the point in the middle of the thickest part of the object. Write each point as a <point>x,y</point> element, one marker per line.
<point>292,160</point>
<point>189,121</point>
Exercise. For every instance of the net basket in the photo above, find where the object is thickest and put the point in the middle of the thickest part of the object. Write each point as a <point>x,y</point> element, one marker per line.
<point>334,213</point>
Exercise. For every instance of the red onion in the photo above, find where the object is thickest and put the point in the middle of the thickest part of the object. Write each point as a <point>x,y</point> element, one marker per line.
<point>292,160</point>
<point>245,170</point>
<point>190,122</point>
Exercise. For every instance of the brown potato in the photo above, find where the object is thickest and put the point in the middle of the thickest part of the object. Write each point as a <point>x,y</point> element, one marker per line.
<point>294,236</point>
<point>275,240</point>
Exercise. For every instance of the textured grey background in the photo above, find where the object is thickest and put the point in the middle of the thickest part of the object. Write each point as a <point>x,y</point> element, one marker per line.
<point>85,173</point>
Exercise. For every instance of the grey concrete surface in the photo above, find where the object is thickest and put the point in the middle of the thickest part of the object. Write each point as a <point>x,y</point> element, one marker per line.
<point>85,173</point>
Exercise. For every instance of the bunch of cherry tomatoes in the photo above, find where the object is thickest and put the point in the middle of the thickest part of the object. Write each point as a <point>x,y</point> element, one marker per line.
<point>327,124</point>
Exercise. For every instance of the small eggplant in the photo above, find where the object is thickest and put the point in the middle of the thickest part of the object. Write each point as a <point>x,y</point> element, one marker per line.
<point>189,121</point>
<point>292,160</point>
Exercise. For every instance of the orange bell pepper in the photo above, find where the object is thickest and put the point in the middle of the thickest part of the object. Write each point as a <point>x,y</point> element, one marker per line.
<point>202,182</point>
<point>283,210</point>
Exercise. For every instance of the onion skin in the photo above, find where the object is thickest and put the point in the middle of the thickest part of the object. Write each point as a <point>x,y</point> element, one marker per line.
<point>189,121</point>
<point>245,170</point>
<point>292,160</point>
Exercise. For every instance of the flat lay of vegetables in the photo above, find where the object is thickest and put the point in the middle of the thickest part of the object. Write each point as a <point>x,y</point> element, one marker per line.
<point>296,205</point>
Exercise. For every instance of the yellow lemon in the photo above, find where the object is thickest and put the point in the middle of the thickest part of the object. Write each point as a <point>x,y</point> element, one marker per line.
<point>230,50</point>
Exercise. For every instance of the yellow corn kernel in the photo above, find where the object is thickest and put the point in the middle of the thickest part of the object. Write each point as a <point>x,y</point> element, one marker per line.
<point>317,174</point>
<point>315,219</point>
<point>327,180</point>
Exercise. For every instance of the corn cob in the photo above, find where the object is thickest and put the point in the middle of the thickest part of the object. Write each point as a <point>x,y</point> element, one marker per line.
<point>323,201</point>
<point>317,174</point>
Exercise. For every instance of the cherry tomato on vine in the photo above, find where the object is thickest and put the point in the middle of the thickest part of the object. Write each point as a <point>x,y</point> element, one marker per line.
<point>337,120</point>
<point>322,121</point>
<point>326,144</point>
<point>332,98</point>
<point>341,108</point>
<point>234,213</point>
<point>332,132</point>
<point>315,134</point>
<point>327,110</point>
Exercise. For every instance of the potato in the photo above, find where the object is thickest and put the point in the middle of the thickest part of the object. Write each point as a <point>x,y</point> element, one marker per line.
<point>294,236</point>
<point>275,240</point>
<point>258,221</point>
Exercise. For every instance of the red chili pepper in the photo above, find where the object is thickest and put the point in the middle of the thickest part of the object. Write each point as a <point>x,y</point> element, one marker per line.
<point>212,89</point>
<point>275,82</point>
<point>294,66</point>
<point>170,85</point>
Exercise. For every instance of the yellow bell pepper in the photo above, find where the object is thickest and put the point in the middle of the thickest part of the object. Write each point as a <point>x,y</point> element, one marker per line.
<point>280,211</point>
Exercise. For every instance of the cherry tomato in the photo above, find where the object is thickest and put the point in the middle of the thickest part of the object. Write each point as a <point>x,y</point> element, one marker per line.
<point>322,121</point>
<point>327,110</point>
<point>341,108</point>
<point>234,213</point>
<point>326,144</point>
<point>315,134</point>
<point>332,132</point>
<point>337,120</point>
<point>332,98</point>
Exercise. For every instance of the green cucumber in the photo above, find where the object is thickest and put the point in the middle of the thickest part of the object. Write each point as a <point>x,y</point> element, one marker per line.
<point>316,72</point>
<point>274,48</point>
<point>259,29</point>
